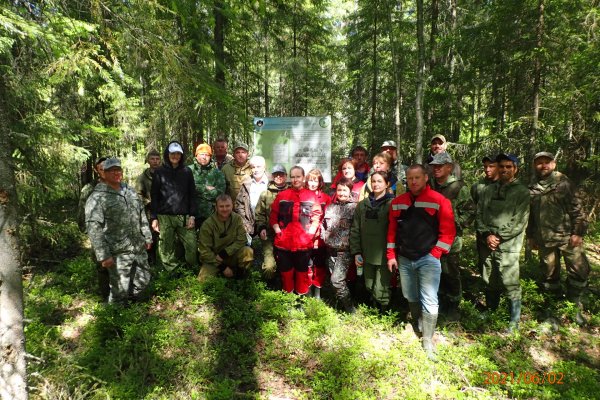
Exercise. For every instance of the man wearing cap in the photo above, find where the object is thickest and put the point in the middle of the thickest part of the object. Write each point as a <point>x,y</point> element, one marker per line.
<point>221,157</point>
<point>262,214</point>
<point>222,243</point>
<point>247,199</point>
<point>209,182</point>
<point>86,191</point>
<point>174,208</point>
<point>502,215</point>
<point>557,225</point>
<point>438,144</point>
<point>237,170</point>
<point>119,232</point>
<point>143,187</point>
<point>398,170</point>
<point>463,207</point>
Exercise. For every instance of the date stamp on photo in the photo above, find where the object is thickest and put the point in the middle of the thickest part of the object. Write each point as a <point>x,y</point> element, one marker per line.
<point>526,377</point>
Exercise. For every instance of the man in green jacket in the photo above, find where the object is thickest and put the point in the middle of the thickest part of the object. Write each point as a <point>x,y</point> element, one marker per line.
<point>222,243</point>
<point>119,233</point>
<point>209,181</point>
<point>556,228</point>
<point>143,186</point>
<point>444,182</point>
<point>502,215</point>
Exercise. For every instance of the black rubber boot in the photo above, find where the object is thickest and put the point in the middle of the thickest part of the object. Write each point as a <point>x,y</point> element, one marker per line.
<point>452,313</point>
<point>416,319</point>
<point>429,322</point>
<point>515,316</point>
<point>316,292</point>
<point>492,300</point>
<point>347,305</point>
<point>574,296</point>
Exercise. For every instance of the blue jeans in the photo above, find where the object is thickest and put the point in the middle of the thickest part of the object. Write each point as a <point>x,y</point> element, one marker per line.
<point>420,280</point>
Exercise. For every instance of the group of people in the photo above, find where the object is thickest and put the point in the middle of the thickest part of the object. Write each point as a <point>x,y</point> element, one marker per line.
<point>388,224</point>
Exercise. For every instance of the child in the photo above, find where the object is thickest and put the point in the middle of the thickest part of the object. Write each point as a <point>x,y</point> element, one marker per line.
<point>335,231</point>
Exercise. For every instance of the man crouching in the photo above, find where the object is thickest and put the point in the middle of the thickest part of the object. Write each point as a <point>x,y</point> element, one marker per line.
<point>222,243</point>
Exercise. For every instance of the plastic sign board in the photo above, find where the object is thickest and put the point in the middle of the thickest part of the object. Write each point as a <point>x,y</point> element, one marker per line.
<point>303,141</point>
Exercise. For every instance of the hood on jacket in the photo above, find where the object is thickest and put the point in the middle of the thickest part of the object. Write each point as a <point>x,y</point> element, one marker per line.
<point>166,161</point>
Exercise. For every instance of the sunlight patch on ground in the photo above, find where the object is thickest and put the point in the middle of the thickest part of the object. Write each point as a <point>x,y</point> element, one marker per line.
<point>72,329</point>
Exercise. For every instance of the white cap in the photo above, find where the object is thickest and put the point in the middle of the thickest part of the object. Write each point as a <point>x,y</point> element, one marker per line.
<point>175,148</point>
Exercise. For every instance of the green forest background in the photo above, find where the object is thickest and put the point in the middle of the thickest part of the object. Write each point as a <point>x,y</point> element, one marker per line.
<point>80,79</point>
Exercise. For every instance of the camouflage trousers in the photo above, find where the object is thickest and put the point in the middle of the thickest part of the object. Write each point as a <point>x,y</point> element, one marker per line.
<point>269,267</point>
<point>129,277</point>
<point>450,283</point>
<point>576,263</point>
<point>501,271</point>
<point>172,229</point>
<point>339,262</point>
<point>377,282</point>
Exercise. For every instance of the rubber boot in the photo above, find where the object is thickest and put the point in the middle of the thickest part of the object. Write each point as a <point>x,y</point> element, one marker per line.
<point>416,318</point>
<point>347,305</point>
<point>316,292</point>
<point>515,316</point>
<point>452,313</point>
<point>492,299</point>
<point>429,322</point>
<point>574,296</point>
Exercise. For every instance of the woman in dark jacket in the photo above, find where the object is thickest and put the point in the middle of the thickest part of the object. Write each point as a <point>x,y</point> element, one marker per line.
<point>368,238</point>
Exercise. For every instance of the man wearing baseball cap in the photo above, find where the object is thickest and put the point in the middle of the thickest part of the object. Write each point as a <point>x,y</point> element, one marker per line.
<point>119,232</point>
<point>398,170</point>
<point>557,225</point>
<point>502,214</point>
<point>237,170</point>
<point>174,208</point>
<point>439,144</point>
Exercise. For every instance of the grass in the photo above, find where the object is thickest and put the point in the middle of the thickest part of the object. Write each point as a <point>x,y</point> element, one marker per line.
<point>238,340</point>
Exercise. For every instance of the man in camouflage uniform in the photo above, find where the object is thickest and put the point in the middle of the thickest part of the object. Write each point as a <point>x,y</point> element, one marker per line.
<point>556,228</point>
<point>237,170</point>
<point>222,243</point>
<point>143,186</point>
<point>209,181</point>
<point>119,232</point>
<point>453,189</point>
<point>502,214</point>
<point>261,218</point>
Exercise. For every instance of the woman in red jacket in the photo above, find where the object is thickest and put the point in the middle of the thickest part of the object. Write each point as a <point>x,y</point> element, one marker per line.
<point>314,182</point>
<point>295,216</point>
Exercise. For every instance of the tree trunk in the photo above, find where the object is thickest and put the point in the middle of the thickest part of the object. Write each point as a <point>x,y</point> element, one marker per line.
<point>13,376</point>
<point>420,84</point>
<point>374,82</point>
<point>219,50</point>
<point>537,78</point>
<point>397,84</point>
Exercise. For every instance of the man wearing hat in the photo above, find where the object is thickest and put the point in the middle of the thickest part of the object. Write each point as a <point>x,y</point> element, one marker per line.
<point>237,170</point>
<point>174,208</point>
<point>557,225</point>
<point>262,214</point>
<point>398,170</point>
<point>453,189</point>
<point>209,182</point>
<point>502,214</point>
<point>438,144</point>
<point>119,232</point>
<point>143,187</point>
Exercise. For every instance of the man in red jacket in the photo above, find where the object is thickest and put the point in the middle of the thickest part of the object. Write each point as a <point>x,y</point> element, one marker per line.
<point>421,229</point>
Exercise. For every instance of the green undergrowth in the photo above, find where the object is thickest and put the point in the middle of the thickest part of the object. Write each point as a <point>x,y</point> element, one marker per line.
<point>238,340</point>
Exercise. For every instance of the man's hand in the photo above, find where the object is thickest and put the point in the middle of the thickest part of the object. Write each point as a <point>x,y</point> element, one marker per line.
<point>575,241</point>
<point>492,242</point>
<point>312,230</point>
<point>191,222</point>
<point>263,234</point>
<point>108,263</point>
<point>219,259</point>
<point>392,265</point>
<point>148,246</point>
<point>228,272</point>
<point>155,226</point>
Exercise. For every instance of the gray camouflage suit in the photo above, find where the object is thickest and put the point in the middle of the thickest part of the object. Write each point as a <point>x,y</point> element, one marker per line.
<point>117,226</point>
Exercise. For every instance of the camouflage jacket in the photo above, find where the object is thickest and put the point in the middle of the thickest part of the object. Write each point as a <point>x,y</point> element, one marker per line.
<point>143,186</point>
<point>556,211</point>
<point>116,222</point>
<point>86,191</point>
<point>335,228</point>
<point>462,203</point>
<point>204,176</point>
<point>235,176</point>
<point>262,211</point>
<point>242,204</point>
<point>503,210</point>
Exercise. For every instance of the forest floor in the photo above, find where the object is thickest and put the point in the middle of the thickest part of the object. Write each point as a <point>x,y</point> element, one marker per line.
<point>238,340</point>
